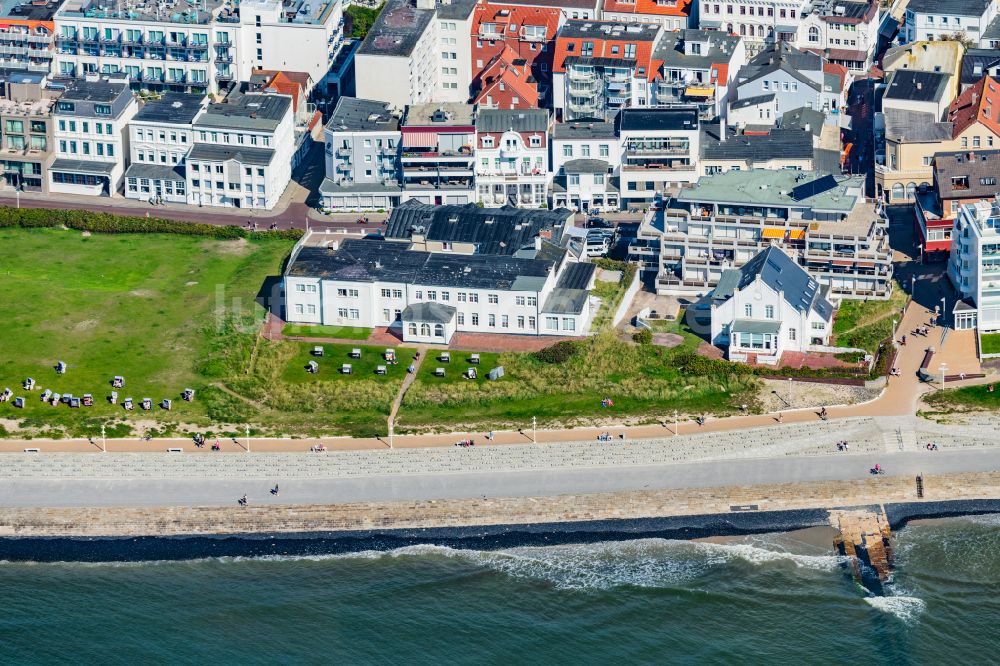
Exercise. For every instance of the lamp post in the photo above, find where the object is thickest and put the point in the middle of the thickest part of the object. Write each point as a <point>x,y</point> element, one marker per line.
<point>104,441</point>
<point>920,253</point>
<point>894,331</point>
<point>390,434</point>
<point>676,423</point>
<point>943,368</point>
<point>944,310</point>
<point>248,438</point>
<point>534,428</point>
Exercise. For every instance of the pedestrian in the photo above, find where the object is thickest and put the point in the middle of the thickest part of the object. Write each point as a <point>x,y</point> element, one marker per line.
<point>780,417</point>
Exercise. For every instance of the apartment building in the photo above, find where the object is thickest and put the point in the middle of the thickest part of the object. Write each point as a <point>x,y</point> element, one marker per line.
<point>660,150</point>
<point>27,35</point>
<point>942,57</point>
<point>26,143</point>
<point>974,266</point>
<point>844,33</point>
<point>603,66</point>
<point>512,33</point>
<point>512,157</point>
<point>242,152</point>
<point>936,19</point>
<point>438,161</point>
<point>671,14</point>
<point>91,137</point>
<point>759,22</point>
<point>362,158</point>
<point>698,67</point>
<point>823,221</point>
<point>730,149</point>
<point>507,83</point>
<point>417,52</point>
<point>586,157</point>
<point>160,136</point>
<point>571,9</point>
<point>768,306</point>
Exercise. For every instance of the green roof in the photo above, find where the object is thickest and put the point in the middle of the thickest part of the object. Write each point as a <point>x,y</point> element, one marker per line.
<point>753,326</point>
<point>784,188</point>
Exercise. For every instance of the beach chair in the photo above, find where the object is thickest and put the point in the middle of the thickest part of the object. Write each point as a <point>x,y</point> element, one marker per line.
<point>390,355</point>
<point>345,369</point>
<point>355,353</point>
<point>439,372</point>
<point>74,403</point>
<point>5,396</point>
<point>312,367</point>
<point>188,394</point>
<point>445,357</point>
<point>67,397</point>
<point>147,404</point>
<point>118,382</point>
<point>317,350</point>
<point>46,395</point>
<point>19,402</point>
<point>165,404</point>
<point>113,398</point>
<point>470,373</point>
<point>128,405</point>
<point>88,400</point>
<point>474,359</point>
<point>60,368</point>
<point>29,384</point>
<point>496,373</point>
<point>56,398</point>
<point>380,370</point>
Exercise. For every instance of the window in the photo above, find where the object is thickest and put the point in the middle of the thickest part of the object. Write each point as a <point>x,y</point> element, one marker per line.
<point>461,319</point>
<point>552,323</point>
<point>813,35</point>
<point>491,320</point>
<point>630,50</point>
<point>432,295</point>
<point>748,310</point>
<point>769,312</point>
<point>461,297</point>
<point>574,179</point>
<point>397,293</point>
<point>386,293</point>
<point>585,150</point>
<point>488,142</point>
<point>299,308</point>
<point>473,298</point>
<point>567,149</point>
<point>493,298</point>
<point>569,324</point>
<point>475,319</point>
<point>102,110</point>
<point>532,301</point>
<point>603,150</point>
<point>598,179</point>
<point>792,333</point>
<point>975,141</point>
<point>504,321</point>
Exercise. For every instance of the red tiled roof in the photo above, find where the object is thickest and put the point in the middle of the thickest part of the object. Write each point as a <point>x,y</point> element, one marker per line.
<point>837,70</point>
<point>515,16</point>
<point>514,77</point>
<point>604,48</point>
<point>651,7</point>
<point>978,104</point>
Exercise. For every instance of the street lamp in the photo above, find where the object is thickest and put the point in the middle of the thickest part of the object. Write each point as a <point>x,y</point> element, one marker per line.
<point>104,441</point>
<point>676,423</point>
<point>944,310</point>
<point>943,367</point>
<point>920,253</point>
<point>248,438</point>
<point>534,427</point>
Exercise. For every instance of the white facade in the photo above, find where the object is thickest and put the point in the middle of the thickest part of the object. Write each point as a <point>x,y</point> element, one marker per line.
<point>163,146</point>
<point>655,160</point>
<point>512,168</point>
<point>974,265</point>
<point>819,32</point>
<point>757,21</point>
<point>606,147</point>
<point>455,57</point>
<point>932,21</point>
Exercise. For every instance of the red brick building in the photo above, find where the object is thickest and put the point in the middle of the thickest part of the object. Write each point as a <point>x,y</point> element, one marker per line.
<point>518,33</point>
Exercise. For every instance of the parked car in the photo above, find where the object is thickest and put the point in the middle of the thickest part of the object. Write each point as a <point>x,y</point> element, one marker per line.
<point>599,223</point>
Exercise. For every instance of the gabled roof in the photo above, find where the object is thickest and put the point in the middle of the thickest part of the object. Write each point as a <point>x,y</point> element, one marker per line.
<point>430,312</point>
<point>776,144</point>
<point>510,71</point>
<point>904,126</point>
<point>979,104</point>
<point>981,170</point>
<point>785,58</point>
<point>354,114</point>
<point>804,118</point>
<point>978,62</point>
<point>583,129</point>
<point>717,51</point>
<point>651,7</point>
<point>495,231</point>
<point>609,39</point>
<point>518,120</point>
<point>949,7</point>
<point>915,86</point>
<point>775,269</point>
<point>505,16</point>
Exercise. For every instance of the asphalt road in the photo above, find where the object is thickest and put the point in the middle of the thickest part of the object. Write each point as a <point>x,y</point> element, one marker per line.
<point>209,492</point>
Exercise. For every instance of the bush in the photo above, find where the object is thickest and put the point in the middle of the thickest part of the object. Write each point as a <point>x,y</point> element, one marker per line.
<point>643,336</point>
<point>107,223</point>
<point>558,353</point>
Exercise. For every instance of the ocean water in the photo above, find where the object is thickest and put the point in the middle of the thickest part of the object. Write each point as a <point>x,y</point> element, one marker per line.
<point>769,598</point>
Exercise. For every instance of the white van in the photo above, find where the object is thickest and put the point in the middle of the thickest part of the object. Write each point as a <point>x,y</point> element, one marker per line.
<point>597,246</point>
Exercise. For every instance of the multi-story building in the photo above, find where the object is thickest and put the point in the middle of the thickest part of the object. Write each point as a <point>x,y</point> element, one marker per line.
<point>27,39</point>
<point>571,9</point>
<point>659,151</point>
<point>603,66</point>
<point>242,152</point>
<point>363,144</point>
<point>586,157</point>
<point>514,33</point>
<point>760,22</point>
<point>978,63</point>
<point>698,68</point>
<point>823,221</point>
<point>936,19</point>
<point>843,32</point>
<point>974,266</point>
<point>160,136</point>
<point>26,146</point>
<point>417,53</point>
<point>184,47</point>
<point>768,306</point>
<point>91,137</point>
<point>512,157</point>
<point>437,156</point>
<point>507,83</point>
<point>729,149</point>
<point>671,14</point>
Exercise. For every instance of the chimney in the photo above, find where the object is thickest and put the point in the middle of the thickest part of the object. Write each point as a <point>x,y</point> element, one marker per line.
<point>722,130</point>
<point>920,85</point>
<point>538,242</point>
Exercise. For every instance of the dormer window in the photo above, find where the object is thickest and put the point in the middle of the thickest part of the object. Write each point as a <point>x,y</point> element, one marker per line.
<point>488,142</point>
<point>535,141</point>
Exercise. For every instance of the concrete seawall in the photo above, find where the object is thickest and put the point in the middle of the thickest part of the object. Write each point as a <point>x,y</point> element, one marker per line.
<point>755,508</point>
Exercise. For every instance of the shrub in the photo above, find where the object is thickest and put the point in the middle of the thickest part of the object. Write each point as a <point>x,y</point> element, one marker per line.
<point>558,353</point>
<point>643,336</point>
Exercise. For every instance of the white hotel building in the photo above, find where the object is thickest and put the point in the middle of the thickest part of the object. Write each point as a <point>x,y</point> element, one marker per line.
<point>974,266</point>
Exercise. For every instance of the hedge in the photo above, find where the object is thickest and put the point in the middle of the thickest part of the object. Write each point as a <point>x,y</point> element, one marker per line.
<point>108,223</point>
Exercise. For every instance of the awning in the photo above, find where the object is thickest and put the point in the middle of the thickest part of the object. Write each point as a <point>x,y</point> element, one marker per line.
<point>773,232</point>
<point>843,262</point>
<point>82,166</point>
<point>797,234</point>
<point>753,326</point>
<point>697,91</point>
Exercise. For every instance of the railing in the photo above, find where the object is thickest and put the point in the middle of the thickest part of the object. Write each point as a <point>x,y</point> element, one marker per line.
<point>582,76</point>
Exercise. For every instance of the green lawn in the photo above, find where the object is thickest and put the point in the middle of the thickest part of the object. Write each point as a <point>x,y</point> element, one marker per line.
<point>320,331</point>
<point>989,343</point>
<point>865,324</point>
<point>147,307</point>
<point>969,397</point>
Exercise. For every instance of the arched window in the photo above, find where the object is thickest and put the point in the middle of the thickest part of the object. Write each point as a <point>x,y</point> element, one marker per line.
<point>413,328</point>
<point>729,28</point>
<point>897,191</point>
<point>814,35</point>
<point>743,30</point>
<point>438,330</point>
<point>910,190</point>
<point>924,187</point>
<point>425,330</point>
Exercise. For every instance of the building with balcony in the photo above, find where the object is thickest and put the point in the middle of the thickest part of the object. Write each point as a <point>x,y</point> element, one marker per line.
<point>974,266</point>
<point>758,23</point>
<point>842,32</point>
<point>659,152</point>
<point>960,178</point>
<point>601,67</point>
<point>671,14</point>
<point>27,39</point>
<point>507,83</point>
<point>586,157</point>
<point>698,68</point>
<point>26,130</point>
<point>242,152</point>
<point>417,53</point>
<point>933,20</point>
<point>437,156</point>
<point>822,221</point>
<point>768,306</point>
<point>514,33</point>
<point>512,157</point>
<point>91,137</point>
<point>728,148</point>
<point>363,145</point>
<point>160,136</point>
